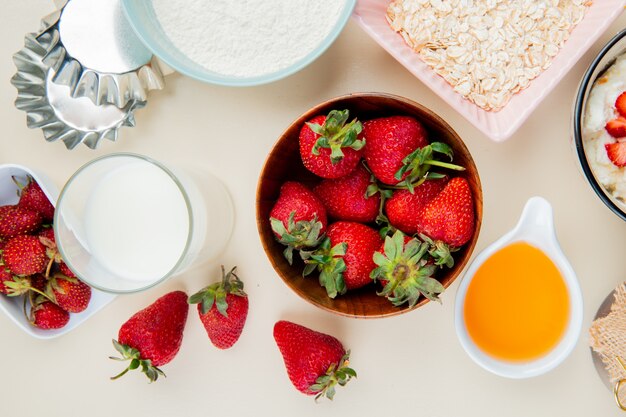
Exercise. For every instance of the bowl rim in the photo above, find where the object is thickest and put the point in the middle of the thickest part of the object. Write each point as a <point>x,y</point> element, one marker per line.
<point>215,78</point>
<point>577,123</point>
<point>315,109</point>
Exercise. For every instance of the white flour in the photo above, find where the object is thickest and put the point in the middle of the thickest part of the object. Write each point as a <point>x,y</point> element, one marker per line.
<point>247,38</point>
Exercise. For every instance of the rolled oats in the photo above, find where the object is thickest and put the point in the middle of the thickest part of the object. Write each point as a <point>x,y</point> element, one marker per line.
<point>488,50</point>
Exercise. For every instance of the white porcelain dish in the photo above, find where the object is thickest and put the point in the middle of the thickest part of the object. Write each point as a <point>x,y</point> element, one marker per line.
<point>536,227</point>
<point>13,307</point>
<point>498,126</point>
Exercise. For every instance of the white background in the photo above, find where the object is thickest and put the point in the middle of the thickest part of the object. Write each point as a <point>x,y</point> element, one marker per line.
<point>410,365</point>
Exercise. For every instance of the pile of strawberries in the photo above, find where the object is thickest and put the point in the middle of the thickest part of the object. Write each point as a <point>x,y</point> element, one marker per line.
<point>387,209</point>
<point>30,264</point>
<point>616,151</point>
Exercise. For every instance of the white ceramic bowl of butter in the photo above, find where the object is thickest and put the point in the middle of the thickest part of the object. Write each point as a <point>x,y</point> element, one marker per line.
<point>535,227</point>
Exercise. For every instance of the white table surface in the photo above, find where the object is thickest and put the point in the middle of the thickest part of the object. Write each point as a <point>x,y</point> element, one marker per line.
<point>412,364</point>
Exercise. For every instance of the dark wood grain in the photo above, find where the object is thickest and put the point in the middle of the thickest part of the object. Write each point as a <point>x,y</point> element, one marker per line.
<point>284,163</point>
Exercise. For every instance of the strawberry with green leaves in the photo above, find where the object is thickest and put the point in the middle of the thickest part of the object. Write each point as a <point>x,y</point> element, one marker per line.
<point>331,147</point>
<point>316,362</point>
<point>223,309</point>
<point>71,294</point>
<point>33,198</point>
<point>449,217</point>
<point>406,270</point>
<point>152,336</point>
<point>347,198</point>
<point>344,259</point>
<point>16,220</point>
<point>298,218</point>
<point>25,255</point>
<point>398,151</point>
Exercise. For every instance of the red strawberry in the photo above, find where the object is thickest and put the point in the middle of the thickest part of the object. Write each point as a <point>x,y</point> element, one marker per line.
<point>223,308</point>
<point>390,140</point>
<point>298,218</point>
<point>46,236</point>
<point>406,269</point>
<point>25,255</point>
<point>345,257</point>
<point>620,104</point>
<point>398,151</point>
<point>70,294</point>
<point>48,315</point>
<point>65,270</point>
<point>403,207</point>
<point>47,233</point>
<point>346,198</point>
<point>152,336</point>
<point>616,153</point>
<point>616,127</point>
<point>39,282</point>
<point>15,220</point>
<point>5,276</point>
<point>329,147</point>
<point>449,217</point>
<point>315,362</point>
<point>33,198</point>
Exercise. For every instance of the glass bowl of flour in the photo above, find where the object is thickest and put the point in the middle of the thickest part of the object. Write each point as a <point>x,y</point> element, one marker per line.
<point>238,43</point>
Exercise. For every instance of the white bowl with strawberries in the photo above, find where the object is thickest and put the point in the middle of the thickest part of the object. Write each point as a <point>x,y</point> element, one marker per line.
<point>37,290</point>
<point>369,205</point>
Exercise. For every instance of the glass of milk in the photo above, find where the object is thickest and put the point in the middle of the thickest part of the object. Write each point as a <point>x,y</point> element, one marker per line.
<point>125,222</point>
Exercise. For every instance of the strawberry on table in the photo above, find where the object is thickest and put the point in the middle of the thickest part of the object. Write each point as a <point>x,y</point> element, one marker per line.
<point>347,198</point>
<point>70,294</point>
<point>315,362</point>
<point>152,336</point>
<point>223,309</point>
<point>329,147</point>
<point>449,217</point>
<point>15,220</point>
<point>48,315</point>
<point>616,127</point>
<point>298,218</point>
<point>25,255</point>
<point>406,270</point>
<point>33,198</point>
<point>403,207</point>
<point>344,259</point>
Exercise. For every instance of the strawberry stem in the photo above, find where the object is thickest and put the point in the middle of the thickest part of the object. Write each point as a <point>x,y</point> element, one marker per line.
<point>134,356</point>
<point>336,134</point>
<point>216,293</point>
<point>337,374</point>
<point>49,267</point>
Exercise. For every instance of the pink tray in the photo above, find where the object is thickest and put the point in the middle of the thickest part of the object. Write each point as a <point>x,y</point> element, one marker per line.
<point>499,126</point>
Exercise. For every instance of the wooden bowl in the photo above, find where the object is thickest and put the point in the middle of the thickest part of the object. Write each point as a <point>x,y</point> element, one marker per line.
<point>284,164</point>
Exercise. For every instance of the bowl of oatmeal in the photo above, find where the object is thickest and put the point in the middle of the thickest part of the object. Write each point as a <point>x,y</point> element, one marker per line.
<point>237,43</point>
<point>599,124</point>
